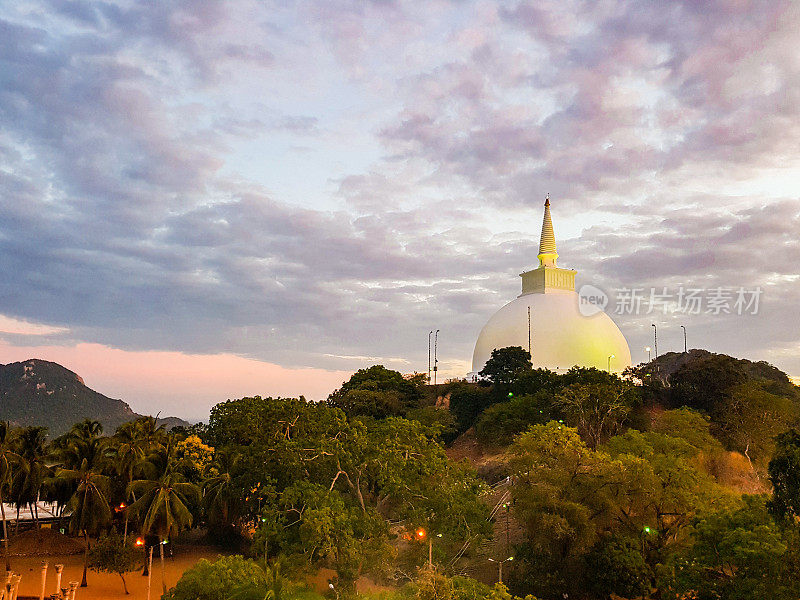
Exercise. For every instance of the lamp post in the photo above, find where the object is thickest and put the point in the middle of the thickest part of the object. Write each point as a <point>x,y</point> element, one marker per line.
<point>500,567</point>
<point>529,334</point>
<point>429,356</point>
<point>610,356</point>
<point>435,355</point>
<point>655,338</point>
<point>648,353</point>
<point>684,338</point>
<point>421,534</point>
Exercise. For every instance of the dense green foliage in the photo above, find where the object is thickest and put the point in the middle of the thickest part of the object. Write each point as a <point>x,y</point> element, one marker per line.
<point>626,486</point>
<point>784,473</point>
<point>506,365</point>
<point>378,392</point>
<point>226,578</point>
<point>748,403</point>
<point>323,487</point>
<point>738,554</point>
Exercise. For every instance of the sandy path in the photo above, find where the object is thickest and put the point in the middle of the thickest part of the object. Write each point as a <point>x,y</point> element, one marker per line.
<point>103,586</point>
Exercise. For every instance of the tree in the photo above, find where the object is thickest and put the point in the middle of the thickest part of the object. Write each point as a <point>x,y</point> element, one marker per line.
<point>89,507</point>
<point>506,365</point>
<point>377,392</point>
<point>112,554</point>
<point>295,456</point>
<point>784,473</point>
<point>737,554</point>
<point>689,425</point>
<point>194,458</point>
<point>31,445</point>
<point>561,497</point>
<point>434,585</point>
<point>751,417</point>
<point>502,421</point>
<point>644,487</point>
<point>615,565</point>
<point>705,383</point>
<point>324,526</point>
<point>218,580</point>
<point>660,489</point>
<point>598,410</point>
<point>222,498</point>
<point>9,459</point>
<point>164,504</point>
<point>467,402</point>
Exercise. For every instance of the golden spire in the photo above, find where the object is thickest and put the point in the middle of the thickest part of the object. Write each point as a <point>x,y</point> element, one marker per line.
<point>547,245</point>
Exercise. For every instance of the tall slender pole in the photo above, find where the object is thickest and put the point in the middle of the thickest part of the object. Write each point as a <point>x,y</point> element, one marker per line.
<point>529,333</point>
<point>684,338</point>
<point>435,355</point>
<point>508,544</point>
<point>430,551</point>
<point>429,355</point>
<point>655,338</point>
<point>149,572</point>
<point>500,571</point>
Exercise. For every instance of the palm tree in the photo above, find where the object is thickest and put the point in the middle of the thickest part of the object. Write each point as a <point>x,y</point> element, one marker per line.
<point>163,505</point>
<point>26,484</point>
<point>131,444</point>
<point>8,460</point>
<point>220,500</point>
<point>81,442</point>
<point>89,507</point>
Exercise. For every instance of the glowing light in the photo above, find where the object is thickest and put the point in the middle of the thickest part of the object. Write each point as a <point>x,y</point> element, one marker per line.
<point>140,541</point>
<point>421,533</point>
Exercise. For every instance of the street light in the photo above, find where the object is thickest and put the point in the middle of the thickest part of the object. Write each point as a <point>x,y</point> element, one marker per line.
<point>500,567</point>
<point>648,353</point>
<point>429,356</point>
<point>655,338</point>
<point>610,356</point>
<point>421,535</point>
<point>435,355</point>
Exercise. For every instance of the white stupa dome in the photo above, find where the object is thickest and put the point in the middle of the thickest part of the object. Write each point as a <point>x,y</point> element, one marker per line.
<point>560,335</point>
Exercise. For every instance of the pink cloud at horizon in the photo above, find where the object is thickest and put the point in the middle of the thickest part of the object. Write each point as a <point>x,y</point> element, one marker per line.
<point>174,383</point>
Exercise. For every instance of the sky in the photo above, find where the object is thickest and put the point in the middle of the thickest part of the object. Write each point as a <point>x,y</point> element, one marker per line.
<point>201,200</point>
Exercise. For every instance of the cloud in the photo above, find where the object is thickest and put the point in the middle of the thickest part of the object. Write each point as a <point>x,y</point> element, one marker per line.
<point>153,198</point>
<point>9,325</point>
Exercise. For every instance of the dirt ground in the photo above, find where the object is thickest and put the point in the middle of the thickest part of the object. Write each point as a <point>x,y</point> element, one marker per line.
<point>103,586</point>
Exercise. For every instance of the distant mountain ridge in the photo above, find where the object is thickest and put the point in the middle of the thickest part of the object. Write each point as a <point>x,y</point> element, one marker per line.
<point>39,392</point>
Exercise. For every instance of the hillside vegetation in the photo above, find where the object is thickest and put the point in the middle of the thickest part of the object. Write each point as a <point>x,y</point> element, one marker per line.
<point>42,393</point>
<point>679,480</point>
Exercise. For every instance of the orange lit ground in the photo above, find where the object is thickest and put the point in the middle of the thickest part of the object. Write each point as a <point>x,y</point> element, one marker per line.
<point>103,586</point>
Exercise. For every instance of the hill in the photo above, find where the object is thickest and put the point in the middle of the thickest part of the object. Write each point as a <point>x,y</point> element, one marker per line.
<point>39,392</point>
<point>669,363</point>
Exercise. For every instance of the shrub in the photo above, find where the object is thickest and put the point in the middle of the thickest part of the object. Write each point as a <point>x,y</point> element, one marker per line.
<point>217,580</point>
